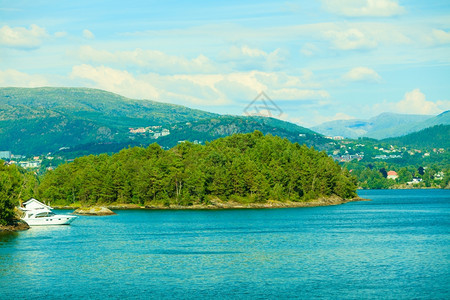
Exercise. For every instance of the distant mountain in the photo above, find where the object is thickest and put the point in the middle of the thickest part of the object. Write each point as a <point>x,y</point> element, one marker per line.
<point>43,120</point>
<point>382,126</point>
<point>437,136</point>
<point>441,119</point>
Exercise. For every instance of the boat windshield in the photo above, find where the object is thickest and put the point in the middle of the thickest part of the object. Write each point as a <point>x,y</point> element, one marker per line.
<point>44,214</point>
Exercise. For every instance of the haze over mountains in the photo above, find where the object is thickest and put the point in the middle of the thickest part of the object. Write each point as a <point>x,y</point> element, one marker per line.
<point>383,126</point>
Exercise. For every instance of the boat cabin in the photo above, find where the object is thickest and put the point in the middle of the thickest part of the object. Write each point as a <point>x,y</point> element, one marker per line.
<point>34,204</point>
<point>36,209</point>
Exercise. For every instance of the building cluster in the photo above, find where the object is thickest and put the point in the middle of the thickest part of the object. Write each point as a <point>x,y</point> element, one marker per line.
<point>384,156</point>
<point>348,157</point>
<point>154,132</point>
<point>14,159</point>
<point>335,138</point>
<point>31,162</point>
<point>196,142</point>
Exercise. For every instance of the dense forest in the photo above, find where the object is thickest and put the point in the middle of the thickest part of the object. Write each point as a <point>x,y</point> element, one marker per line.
<point>242,167</point>
<point>15,185</point>
<point>433,137</point>
<point>374,175</point>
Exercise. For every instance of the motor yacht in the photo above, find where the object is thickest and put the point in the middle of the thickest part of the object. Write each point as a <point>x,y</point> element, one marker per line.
<point>36,213</point>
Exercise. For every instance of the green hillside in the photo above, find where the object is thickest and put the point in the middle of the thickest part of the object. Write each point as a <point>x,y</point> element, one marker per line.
<point>41,120</point>
<point>221,126</point>
<point>433,137</point>
<point>89,121</point>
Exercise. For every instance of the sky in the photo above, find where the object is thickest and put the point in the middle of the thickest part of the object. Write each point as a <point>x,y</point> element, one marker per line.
<point>316,61</point>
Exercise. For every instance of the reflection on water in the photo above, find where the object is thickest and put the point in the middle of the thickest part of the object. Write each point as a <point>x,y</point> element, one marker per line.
<point>395,246</point>
<point>45,230</point>
<point>7,237</point>
<point>8,245</point>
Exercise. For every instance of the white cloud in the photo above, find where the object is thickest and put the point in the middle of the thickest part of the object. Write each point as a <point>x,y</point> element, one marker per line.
<point>245,57</point>
<point>199,89</point>
<point>441,36</point>
<point>153,60</point>
<point>364,8</point>
<point>415,103</point>
<point>60,34</point>
<point>350,39</point>
<point>362,74</point>
<point>116,81</point>
<point>299,94</point>
<point>14,78</point>
<point>21,37</point>
<point>309,49</point>
<point>87,34</point>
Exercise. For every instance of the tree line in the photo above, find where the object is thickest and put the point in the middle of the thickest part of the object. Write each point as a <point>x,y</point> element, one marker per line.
<point>15,185</point>
<point>374,175</point>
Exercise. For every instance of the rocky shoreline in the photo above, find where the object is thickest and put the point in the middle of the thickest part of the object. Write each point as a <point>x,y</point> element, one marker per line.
<point>215,205</point>
<point>19,225</point>
<point>94,211</point>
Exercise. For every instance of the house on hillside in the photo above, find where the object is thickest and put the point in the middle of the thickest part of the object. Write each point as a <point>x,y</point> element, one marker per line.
<point>30,164</point>
<point>415,180</point>
<point>439,176</point>
<point>392,175</point>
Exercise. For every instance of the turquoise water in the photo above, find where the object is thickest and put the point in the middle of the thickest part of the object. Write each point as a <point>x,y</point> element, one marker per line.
<point>394,247</point>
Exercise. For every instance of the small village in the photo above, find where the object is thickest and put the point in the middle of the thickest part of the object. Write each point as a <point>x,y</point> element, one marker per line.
<point>348,150</point>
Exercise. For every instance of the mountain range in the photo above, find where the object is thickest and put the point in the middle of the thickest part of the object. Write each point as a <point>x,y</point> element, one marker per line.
<point>82,121</point>
<point>383,126</point>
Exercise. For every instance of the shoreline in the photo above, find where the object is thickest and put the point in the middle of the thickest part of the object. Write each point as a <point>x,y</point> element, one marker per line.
<point>218,205</point>
<point>18,226</point>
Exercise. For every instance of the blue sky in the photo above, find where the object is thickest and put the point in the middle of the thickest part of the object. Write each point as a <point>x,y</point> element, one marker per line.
<point>317,60</point>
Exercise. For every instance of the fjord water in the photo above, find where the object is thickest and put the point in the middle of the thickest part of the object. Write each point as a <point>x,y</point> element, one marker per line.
<point>396,246</point>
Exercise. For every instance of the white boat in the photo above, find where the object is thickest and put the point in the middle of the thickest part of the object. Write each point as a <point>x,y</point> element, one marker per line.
<point>38,214</point>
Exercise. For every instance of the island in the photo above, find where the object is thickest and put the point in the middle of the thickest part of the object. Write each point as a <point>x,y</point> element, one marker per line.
<point>239,171</point>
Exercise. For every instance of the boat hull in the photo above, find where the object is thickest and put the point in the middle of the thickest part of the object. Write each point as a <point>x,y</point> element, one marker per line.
<point>49,221</point>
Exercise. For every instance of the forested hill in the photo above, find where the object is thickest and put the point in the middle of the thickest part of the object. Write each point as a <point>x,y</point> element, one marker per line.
<point>90,104</point>
<point>41,120</point>
<point>89,121</point>
<point>433,137</point>
<point>242,168</point>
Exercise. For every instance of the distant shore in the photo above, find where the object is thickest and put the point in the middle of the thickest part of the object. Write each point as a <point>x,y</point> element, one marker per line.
<point>409,187</point>
<point>218,205</point>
